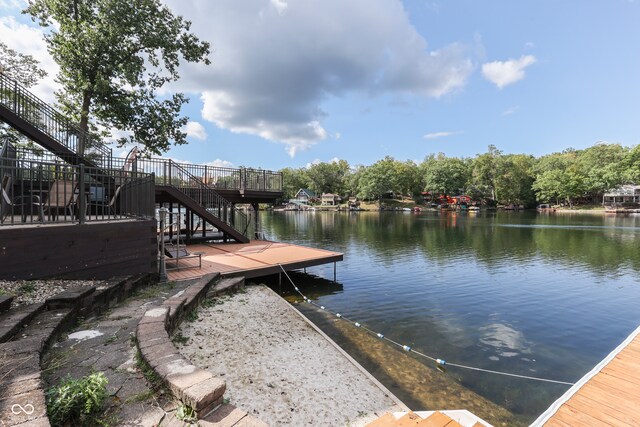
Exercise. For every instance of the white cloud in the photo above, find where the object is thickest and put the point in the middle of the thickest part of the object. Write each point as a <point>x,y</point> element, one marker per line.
<point>29,41</point>
<point>280,5</point>
<point>272,81</point>
<point>195,130</point>
<point>220,163</point>
<point>337,135</point>
<point>509,111</point>
<point>504,73</point>
<point>436,135</point>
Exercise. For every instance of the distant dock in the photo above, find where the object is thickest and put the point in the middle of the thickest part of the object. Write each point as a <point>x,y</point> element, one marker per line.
<point>608,395</point>
<point>255,259</point>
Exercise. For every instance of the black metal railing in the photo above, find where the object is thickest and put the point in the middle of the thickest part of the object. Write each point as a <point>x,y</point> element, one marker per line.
<point>36,192</point>
<point>215,177</point>
<point>46,119</point>
<point>176,176</point>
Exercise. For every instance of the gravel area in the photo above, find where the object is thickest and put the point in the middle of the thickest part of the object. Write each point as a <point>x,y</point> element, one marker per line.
<point>277,367</point>
<point>32,291</point>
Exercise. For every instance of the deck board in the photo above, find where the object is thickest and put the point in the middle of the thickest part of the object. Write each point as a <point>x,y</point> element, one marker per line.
<point>254,259</point>
<point>610,397</point>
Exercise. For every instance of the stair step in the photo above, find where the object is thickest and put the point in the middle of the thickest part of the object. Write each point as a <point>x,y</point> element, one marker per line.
<point>12,321</point>
<point>229,284</point>
<point>5,303</point>
<point>70,297</point>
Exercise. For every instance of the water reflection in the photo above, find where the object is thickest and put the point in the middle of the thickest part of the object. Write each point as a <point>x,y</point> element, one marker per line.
<point>548,295</point>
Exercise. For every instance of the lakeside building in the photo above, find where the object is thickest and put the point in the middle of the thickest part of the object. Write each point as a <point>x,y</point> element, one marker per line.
<point>304,196</point>
<point>626,194</point>
<point>329,199</point>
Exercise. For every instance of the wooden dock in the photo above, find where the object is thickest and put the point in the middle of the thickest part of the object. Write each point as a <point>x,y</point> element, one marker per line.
<point>254,259</point>
<point>609,395</point>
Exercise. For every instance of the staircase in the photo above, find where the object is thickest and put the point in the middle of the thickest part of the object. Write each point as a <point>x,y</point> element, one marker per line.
<point>40,122</point>
<point>177,185</point>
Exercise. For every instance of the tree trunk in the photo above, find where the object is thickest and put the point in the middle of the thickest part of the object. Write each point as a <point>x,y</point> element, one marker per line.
<point>84,122</point>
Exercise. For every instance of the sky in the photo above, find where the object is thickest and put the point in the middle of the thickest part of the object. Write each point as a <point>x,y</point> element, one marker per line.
<point>293,82</point>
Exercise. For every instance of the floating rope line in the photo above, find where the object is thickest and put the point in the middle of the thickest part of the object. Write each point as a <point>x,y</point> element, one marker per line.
<point>440,362</point>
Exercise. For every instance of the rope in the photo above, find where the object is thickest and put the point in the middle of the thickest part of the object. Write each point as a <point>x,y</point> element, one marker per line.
<point>440,362</point>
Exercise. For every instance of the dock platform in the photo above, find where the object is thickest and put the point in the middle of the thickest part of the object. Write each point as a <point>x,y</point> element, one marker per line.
<point>609,395</point>
<point>254,259</point>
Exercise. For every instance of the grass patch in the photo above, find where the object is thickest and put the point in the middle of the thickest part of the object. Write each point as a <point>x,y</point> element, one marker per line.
<point>186,413</point>
<point>140,397</point>
<point>149,374</point>
<point>154,291</point>
<point>77,401</point>
<point>178,338</point>
<point>208,302</point>
<point>3,292</point>
<point>27,288</point>
<point>112,338</point>
<point>192,316</point>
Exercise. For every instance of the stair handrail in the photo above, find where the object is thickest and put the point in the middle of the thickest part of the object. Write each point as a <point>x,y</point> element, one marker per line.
<point>207,190</point>
<point>17,98</point>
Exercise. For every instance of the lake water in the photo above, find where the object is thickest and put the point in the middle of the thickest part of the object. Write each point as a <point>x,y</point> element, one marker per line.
<point>527,293</point>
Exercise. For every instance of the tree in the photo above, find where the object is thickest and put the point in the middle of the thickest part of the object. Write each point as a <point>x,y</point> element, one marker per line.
<point>603,167</point>
<point>26,70</point>
<point>114,57</point>
<point>631,165</point>
<point>294,180</point>
<point>484,171</point>
<point>377,179</point>
<point>445,175</point>
<point>328,177</point>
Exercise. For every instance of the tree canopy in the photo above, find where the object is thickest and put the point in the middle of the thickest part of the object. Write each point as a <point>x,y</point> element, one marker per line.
<point>114,57</point>
<point>493,177</point>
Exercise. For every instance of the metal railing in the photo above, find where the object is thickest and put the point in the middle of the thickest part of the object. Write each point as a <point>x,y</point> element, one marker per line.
<point>176,176</point>
<point>35,192</point>
<point>215,177</point>
<point>43,117</point>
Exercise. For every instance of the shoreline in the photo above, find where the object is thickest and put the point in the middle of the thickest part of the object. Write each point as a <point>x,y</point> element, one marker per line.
<point>279,368</point>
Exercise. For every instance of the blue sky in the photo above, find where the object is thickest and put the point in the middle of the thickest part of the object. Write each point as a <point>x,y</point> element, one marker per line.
<point>297,81</point>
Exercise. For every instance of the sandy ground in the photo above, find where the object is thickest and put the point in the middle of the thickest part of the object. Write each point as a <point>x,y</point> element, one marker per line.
<point>277,367</point>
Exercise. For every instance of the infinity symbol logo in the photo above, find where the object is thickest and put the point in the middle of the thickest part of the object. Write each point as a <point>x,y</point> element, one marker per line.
<point>27,409</point>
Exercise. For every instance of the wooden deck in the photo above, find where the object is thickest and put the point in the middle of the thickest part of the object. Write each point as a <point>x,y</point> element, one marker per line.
<point>609,395</point>
<point>254,259</point>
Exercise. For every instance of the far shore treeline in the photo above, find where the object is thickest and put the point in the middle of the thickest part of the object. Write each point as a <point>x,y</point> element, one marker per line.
<point>569,177</point>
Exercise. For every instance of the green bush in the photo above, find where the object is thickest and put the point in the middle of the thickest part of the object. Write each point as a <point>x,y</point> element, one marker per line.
<point>77,400</point>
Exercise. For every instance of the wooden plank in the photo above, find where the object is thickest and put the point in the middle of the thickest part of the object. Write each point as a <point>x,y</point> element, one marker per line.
<point>600,411</point>
<point>577,418</point>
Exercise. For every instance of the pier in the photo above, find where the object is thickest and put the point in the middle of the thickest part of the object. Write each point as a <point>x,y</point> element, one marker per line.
<point>608,395</point>
<point>255,259</point>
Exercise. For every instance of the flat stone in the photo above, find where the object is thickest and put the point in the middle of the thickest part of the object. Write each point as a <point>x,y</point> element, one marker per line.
<point>201,395</point>
<point>38,422</point>
<point>251,421</point>
<point>70,297</point>
<point>150,341</point>
<point>151,354</point>
<point>164,361</point>
<point>19,387</point>
<point>27,345</point>
<point>158,314</point>
<point>5,302</point>
<point>184,376</point>
<point>225,416</point>
<point>32,406</point>
<point>149,331</point>
<point>135,417</point>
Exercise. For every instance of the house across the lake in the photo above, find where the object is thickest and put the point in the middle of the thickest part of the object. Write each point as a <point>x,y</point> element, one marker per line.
<point>626,194</point>
<point>329,199</point>
<point>304,196</point>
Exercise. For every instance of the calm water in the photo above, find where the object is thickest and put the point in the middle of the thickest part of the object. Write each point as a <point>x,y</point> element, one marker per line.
<point>540,295</point>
